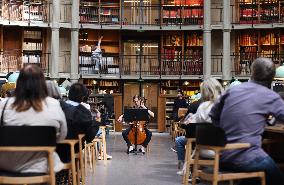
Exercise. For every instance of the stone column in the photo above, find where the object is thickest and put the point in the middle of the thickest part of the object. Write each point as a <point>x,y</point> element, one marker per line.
<point>226,67</point>
<point>55,39</point>
<point>74,75</point>
<point>207,39</point>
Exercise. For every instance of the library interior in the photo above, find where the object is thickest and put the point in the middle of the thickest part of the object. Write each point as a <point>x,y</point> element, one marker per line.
<point>156,92</point>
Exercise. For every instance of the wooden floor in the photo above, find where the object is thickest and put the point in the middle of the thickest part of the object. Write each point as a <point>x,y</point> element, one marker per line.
<point>158,167</point>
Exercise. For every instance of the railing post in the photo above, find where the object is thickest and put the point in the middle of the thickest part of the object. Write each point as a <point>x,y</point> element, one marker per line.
<point>207,39</point>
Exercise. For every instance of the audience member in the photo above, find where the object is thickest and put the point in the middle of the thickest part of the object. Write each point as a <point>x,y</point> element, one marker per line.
<point>242,113</point>
<point>179,102</point>
<point>211,89</point>
<point>31,106</point>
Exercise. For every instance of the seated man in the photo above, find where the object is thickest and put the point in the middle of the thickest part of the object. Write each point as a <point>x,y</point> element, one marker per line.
<point>242,113</point>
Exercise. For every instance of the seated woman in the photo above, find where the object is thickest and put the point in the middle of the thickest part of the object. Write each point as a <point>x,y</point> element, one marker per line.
<point>31,106</point>
<point>211,89</point>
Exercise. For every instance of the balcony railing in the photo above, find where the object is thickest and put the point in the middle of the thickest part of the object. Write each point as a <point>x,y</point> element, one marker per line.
<point>14,60</point>
<point>257,13</point>
<point>140,14</point>
<point>144,65</point>
<point>217,62</point>
<point>27,11</point>
<point>241,62</point>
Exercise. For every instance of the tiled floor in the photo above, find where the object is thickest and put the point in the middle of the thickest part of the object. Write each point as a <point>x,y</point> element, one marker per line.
<point>158,167</point>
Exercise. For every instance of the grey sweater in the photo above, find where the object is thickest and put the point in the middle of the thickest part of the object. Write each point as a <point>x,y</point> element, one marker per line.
<point>51,115</point>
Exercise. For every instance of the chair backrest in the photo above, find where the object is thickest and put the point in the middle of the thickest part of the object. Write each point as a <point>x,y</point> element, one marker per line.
<point>208,134</point>
<point>191,129</point>
<point>182,112</point>
<point>27,136</point>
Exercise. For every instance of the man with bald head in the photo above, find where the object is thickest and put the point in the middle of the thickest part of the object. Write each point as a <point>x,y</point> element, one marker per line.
<point>242,113</point>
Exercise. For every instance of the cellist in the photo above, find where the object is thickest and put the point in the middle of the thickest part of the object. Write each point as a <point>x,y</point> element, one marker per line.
<point>141,105</point>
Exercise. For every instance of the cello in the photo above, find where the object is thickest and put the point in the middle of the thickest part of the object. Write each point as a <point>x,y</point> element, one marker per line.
<point>137,134</point>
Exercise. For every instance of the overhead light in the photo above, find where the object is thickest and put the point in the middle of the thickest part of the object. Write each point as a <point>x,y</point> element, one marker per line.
<point>186,83</point>
<point>94,82</point>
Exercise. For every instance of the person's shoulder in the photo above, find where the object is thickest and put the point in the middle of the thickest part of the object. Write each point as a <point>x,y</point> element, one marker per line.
<point>52,101</point>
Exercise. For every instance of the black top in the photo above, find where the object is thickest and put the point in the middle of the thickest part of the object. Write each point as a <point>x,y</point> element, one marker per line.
<point>179,103</point>
<point>80,121</point>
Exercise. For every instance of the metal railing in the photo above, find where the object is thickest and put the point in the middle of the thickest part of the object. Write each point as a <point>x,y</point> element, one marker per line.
<point>27,11</point>
<point>257,13</point>
<point>14,60</point>
<point>141,14</point>
<point>142,65</point>
<point>216,64</point>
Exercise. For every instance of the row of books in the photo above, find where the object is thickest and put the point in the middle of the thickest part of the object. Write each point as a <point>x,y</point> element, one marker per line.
<point>270,39</point>
<point>183,13</point>
<point>32,46</point>
<point>32,34</point>
<point>249,39</point>
<point>34,59</point>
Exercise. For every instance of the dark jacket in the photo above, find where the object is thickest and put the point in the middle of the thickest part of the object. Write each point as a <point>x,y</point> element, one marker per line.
<point>79,121</point>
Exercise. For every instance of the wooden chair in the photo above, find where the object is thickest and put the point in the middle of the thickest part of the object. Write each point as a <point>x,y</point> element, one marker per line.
<point>32,139</point>
<point>190,135</point>
<point>76,164</point>
<point>80,162</point>
<point>213,138</point>
<point>177,131</point>
<point>182,112</point>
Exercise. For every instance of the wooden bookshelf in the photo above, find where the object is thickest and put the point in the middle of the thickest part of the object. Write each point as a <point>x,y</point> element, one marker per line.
<point>100,11</point>
<point>189,12</point>
<point>88,40</point>
<point>259,11</point>
<point>32,46</point>
<point>26,10</point>
<point>172,47</point>
<point>193,57</point>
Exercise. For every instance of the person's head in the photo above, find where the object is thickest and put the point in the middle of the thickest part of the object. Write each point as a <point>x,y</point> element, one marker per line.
<point>52,89</point>
<point>30,90</point>
<point>78,93</point>
<point>136,99</point>
<point>210,89</point>
<point>263,71</point>
<point>179,96</point>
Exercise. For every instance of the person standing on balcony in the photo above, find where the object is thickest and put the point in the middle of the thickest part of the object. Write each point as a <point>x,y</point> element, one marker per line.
<point>97,55</point>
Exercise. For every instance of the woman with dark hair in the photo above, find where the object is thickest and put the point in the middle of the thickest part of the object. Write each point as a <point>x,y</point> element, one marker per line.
<point>31,106</point>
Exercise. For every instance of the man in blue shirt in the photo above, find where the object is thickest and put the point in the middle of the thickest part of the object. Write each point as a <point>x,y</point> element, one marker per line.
<point>242,113</point>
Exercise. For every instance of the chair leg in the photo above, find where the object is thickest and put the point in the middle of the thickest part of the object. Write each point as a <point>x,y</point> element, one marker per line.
<point>195,167</point>
<point>78,171</point>
<point>231,182</point>
<point>187,162</point>
<point>73,163</point>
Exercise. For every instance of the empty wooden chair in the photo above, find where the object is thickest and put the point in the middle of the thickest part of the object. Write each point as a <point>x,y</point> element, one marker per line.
<point>213,138</point>
<point>29,139</point>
